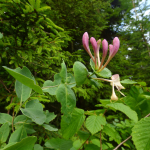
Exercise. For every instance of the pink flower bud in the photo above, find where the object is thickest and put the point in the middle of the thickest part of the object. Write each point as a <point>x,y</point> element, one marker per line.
<point>85,41</point>
<point>116,44</point>
<point>105,47</point>
<point>111,49</point>
<point>94,45</point>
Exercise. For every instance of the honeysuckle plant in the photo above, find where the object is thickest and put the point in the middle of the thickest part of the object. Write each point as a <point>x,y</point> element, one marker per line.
<point>98,65</point>
<point>31,127</point>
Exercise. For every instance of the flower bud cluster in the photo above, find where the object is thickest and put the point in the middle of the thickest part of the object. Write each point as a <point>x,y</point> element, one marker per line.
<point>96,46</point>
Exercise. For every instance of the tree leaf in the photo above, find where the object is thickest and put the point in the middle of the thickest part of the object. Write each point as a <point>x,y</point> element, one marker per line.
<point>25,144</point>
<point>35,104</point>
<point>4,132</point>
<point>124,109</point>
<point>50,86</point>
<point>60,144</point>
<point>80,72</point>
<point>49,116</point>
<point>38,147</point>
<point>70,80</point>
<point>17,74</point>
<point>18,135</point>
<point>110,131</point>
<point>66,97</point>
<point>128,81</point>
<point>49,128</point>
<point>69,126</point>
<point>94,123</point>
<point>23,92</point>
<point>141,134</point>
<point>5,118</point>
<point>36,115</point>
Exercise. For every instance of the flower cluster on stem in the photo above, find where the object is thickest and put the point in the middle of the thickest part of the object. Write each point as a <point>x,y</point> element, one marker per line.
<point>113,48</point>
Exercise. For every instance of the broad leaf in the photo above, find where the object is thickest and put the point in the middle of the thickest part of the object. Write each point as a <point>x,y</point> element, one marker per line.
<point>92,147</point>
<point>128,81</point>
<point>141,134</point>
<point>59,144</point>
<point>36,115</point>
<point>49,128</point>
<point>38,147</point>
<point>80,72</point>
<point>4,132</point>
<point>5,118</point>
<point>50,86</point>
<point>49,116</point>
<point>124,109</point>
<point>66,97</point>
<point>35,104</point>
<point>69,126</point>
<point>94,123</point>
<point>70,80</point>
<point>18,74</point>
<point>110,131</point>
<point>25,144</point>
<point>18,135</point>
<point>23,92</point>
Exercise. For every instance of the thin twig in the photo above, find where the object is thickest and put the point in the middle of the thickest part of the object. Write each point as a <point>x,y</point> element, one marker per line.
<point>101,140</point>
<point>84,143</point>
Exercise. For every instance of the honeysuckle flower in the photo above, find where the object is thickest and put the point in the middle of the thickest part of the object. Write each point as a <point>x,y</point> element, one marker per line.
<point>98,47</point>
<point>116,83</point>
<point>85,42</point>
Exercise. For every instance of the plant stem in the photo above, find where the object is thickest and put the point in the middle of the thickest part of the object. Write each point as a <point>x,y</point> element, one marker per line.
<point>84,143</point>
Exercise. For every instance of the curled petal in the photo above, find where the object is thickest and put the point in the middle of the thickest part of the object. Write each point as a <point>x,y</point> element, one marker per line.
<point>94,45</point>
<point>116,80</point>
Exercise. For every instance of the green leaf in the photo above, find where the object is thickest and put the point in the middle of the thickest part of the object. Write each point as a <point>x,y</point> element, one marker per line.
<point>106,73</point>
<point>141,134</point>
<point>59,144</point>
<point>38,147</point>
<point>94,123</point>
<point>32,2</point>
<point>69,126</point>
<point>37,4</point>
<point>19,75</point>
<point>4,132</point>
<point>35,104</point>
<point>63,72</point>
<point>5,118</point>
<point>49,128</point>
<point>23,92</point>
<point>1,35</point>
<point>18,135</point>
<point>124,109</point>
<point>80,72</point>
<point>110,131</point>
<point>66,97</point>
<point>50,86</point>
<point>128,81</point>
<point>92,147</point>
<point>70,80</point>
<point>49,116</point>
<point>36,115</point>
<point>25,144</point>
